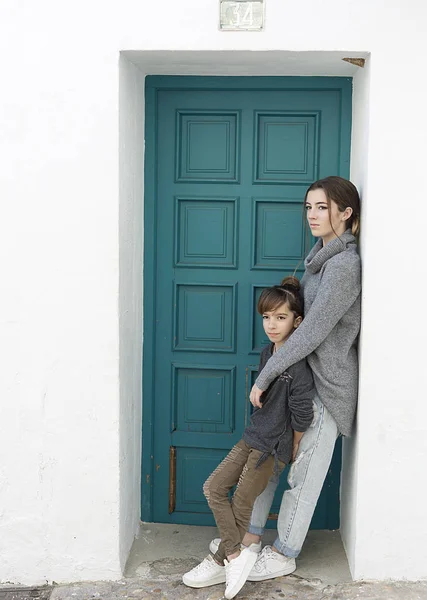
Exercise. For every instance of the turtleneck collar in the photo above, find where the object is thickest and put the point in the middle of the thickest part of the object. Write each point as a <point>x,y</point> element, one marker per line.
<point>319,254</point>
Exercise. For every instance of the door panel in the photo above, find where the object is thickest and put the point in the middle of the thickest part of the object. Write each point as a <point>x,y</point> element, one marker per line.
<point>232,167</point>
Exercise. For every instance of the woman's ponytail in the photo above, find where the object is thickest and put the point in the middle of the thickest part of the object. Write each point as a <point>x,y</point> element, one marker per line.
<point>355,225</point>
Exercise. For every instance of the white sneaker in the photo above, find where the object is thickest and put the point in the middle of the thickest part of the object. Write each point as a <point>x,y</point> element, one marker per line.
<point>214,544</point>
<point>237,571</point>
<point>271,564</point>
<point>207,573</point>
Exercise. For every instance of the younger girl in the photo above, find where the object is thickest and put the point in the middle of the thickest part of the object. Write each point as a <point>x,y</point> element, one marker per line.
<point>275,429</point>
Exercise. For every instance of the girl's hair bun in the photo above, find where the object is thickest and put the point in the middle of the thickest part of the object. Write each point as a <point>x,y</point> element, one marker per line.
<point>288,292</point>
<point>291,282</point>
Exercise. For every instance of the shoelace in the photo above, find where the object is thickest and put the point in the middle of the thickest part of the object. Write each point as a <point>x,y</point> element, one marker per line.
<point>204,565</point>
<point>263,557</point>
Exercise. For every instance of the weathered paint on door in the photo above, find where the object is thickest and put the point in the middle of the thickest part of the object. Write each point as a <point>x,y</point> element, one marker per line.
<point>228,163</point>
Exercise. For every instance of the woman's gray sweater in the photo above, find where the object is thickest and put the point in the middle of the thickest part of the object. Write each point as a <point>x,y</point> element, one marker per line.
<point>328,334</point>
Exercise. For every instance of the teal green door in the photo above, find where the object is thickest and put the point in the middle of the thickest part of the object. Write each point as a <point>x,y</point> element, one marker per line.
<point>228,163</point>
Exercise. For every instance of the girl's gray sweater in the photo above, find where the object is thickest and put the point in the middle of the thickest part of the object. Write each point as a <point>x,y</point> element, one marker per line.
<point>287,405</point>
<point>328,334</point>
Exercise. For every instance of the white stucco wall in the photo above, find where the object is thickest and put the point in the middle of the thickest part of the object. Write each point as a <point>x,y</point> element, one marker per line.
<point>71,222</point>
<point>392,443</point>
<point>59,439</point>
<point>131,194</point>
<point>359,175</point>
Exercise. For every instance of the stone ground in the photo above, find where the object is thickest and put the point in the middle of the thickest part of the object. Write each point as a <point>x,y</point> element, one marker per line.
<point>162,553</point>
<point>163,582</point>
<point>25,593</point>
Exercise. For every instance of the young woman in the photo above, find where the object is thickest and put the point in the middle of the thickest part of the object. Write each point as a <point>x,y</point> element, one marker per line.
<point>328,338</point>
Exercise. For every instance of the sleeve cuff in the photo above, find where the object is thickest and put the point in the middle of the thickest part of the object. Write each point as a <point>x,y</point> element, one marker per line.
<point>301,428</point>
<point>261,383</point>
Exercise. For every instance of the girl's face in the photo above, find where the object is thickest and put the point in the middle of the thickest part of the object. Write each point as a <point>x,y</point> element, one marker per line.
<point>279,324</point>
<point>322,223</point>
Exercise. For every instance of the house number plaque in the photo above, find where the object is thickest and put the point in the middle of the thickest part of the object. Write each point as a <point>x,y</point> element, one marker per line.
<point>241,15</point>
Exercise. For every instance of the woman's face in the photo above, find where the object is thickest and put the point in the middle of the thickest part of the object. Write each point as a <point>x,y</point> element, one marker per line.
<point>322,223</point>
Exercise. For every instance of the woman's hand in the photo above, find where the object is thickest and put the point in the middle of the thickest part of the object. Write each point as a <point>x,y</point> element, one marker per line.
<point>255,396</point>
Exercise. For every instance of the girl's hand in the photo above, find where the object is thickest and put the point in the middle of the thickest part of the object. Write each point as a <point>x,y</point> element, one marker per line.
<point>294,451</point>
<point>295,446</point>
<point>255,396</point>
